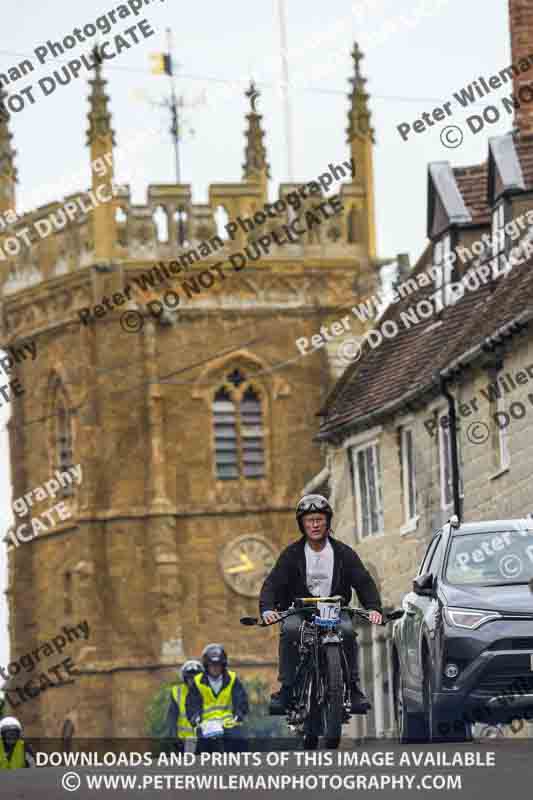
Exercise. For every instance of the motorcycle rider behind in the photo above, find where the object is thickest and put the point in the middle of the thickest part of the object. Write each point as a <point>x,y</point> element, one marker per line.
<point>14,752</point>
<point>217,695</point>
<point>178,726</point>
<point>320,566</point>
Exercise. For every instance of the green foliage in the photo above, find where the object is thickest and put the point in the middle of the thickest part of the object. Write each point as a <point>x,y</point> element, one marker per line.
<point>156,712</point>
<point>258,722</point>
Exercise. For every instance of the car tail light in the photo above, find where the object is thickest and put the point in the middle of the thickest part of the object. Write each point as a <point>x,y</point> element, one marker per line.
<point>469,617</point>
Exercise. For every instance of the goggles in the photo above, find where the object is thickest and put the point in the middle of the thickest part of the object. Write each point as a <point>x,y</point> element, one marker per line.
<point>313,503</point>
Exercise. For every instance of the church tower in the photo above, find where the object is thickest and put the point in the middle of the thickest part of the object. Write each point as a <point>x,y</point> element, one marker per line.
<point>8,173</point>
<point>193,432</point>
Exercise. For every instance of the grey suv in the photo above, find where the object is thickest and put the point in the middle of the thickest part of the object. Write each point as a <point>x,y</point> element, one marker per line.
<point>463,650</point>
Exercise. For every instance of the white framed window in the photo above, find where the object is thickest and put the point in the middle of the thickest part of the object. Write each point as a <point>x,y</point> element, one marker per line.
<point>446,472</point>
<point>442,270</point>
<point>366,472</point>
<point>407,458</point>
<point>445,459</point>
<point>503,440</point>
<point>498,240</point>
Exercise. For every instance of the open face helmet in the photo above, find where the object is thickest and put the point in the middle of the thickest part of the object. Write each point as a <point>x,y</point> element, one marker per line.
<point>313,504</point>
<point>214,654</point>
<point>190,669</point>
<point>10,729</point>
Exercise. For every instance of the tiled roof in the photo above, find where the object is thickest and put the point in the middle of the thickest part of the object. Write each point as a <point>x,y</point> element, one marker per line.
<point>410,362</point>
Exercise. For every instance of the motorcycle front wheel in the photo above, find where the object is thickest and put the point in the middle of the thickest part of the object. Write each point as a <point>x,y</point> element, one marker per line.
<point>332,711</point>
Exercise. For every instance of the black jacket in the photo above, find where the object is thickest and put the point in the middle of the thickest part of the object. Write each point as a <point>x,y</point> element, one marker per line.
<point>288,578</point>
<point>194,703</point>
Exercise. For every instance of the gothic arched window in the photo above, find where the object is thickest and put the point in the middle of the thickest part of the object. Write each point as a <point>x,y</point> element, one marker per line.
<point>160,218</point>
<point>253,456</point>
<point>181,218</point>
<point>352,224</point>
<point>62,438</point>
<point>226,448</point>
<point>238,430</point>
<point>121,219</point>
<point>221,218</point>
<point>67,593</point>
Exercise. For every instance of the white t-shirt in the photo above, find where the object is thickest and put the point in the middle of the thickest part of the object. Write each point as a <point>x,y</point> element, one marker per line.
<point>319,570</point>
<point>215,683</point>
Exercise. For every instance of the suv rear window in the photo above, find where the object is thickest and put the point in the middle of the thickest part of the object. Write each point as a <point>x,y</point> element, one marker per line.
<point>491,558</point>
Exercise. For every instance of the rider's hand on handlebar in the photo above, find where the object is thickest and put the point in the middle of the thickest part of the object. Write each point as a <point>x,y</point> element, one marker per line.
<point>375,617</point>
<point>271,616</point>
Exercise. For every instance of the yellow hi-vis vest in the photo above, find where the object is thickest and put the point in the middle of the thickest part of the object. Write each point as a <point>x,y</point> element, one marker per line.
<point>17,760</point>
<point>184,728</point>
<point>219,707</point>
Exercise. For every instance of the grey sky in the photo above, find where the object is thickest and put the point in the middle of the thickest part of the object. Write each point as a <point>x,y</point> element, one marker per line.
<point>412,63</point>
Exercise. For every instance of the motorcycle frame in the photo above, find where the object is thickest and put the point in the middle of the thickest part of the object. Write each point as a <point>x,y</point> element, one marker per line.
<point>312,672</point>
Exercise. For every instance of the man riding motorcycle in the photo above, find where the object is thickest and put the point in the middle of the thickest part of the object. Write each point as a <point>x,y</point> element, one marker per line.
<point>177,723</point>
<point>320,566</point>
<point>217,696</point>
<point>14,752</point>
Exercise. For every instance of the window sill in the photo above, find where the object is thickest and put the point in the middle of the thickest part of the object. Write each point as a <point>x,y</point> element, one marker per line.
<point>410,526</point>
<point>372,535</point>
<point>501,471</point>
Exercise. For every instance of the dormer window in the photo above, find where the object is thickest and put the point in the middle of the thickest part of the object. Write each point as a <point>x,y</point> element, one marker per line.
<point>499,241</point>
<point>442,270</point>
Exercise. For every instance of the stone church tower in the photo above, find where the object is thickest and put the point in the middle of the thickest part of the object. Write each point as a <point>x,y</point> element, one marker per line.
<point>194,434</point>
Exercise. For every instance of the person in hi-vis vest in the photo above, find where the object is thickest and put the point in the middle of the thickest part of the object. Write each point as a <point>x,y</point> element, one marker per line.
<point>217,703</point>
<point>178,726</point>
<point>14,752</point>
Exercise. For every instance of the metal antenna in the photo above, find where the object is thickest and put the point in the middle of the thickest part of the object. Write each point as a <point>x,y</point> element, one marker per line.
<point>285,88</point>
<point>173,105</point>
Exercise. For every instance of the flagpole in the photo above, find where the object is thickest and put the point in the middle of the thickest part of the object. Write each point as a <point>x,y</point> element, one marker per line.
<point>174,129</point>
<point>285,89</point>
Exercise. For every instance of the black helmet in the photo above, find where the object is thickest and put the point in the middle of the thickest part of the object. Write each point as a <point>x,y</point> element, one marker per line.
<point>313,504</point>
<point>214,654</point>
<point>191,667</point>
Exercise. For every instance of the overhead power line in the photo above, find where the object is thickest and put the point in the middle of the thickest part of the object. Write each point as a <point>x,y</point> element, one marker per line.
<point>261,84</point>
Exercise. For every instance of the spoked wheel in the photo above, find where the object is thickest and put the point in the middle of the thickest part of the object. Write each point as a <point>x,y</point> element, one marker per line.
<point>442,727</point>
<point>333,709</point>
<point>411,727</point>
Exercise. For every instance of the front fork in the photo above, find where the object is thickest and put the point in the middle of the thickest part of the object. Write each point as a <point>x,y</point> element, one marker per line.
<point>333,639</point>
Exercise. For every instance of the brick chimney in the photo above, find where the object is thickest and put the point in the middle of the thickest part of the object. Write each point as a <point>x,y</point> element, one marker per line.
<point>521,29</point>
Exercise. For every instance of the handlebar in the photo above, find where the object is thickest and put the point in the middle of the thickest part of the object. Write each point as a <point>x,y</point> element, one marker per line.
<point>386,618</point>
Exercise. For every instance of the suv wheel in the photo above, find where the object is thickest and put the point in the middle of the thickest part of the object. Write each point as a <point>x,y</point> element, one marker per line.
<point>411,727</point>
<point>442,727</point>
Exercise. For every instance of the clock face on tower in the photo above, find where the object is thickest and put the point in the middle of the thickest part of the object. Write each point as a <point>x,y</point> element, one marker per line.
<point>245,563</point>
